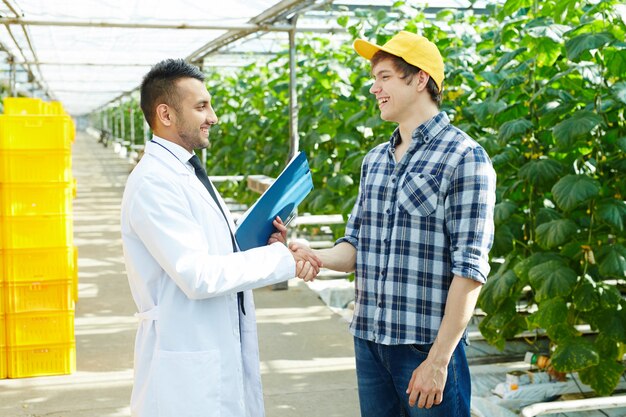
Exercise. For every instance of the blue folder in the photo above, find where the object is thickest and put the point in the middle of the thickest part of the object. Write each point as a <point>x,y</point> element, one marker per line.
<point>280,199</point>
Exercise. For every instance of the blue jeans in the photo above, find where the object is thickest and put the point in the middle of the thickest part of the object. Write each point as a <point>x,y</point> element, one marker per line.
<point>383,375</point>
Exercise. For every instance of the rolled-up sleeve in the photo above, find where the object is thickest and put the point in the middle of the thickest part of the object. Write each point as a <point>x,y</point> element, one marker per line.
<point>354,220</point>
<point>469,209</point>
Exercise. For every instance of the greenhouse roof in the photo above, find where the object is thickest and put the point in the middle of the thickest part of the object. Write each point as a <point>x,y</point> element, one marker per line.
<point>87,53</point>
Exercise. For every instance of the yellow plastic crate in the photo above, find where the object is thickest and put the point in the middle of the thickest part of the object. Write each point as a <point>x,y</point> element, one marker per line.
<point>48,231</point>
<point>36,132</point>
<point>53,107</point>
<point>24,199</point>
<point>23,105</point>
<point>75,276</point>
<point>3,362</point>
<point>23,265</point>
<point>3,332</point>
<point>39,328</point>
<point>30,166</point>
<point>39,296</point>
<point>41,360</point>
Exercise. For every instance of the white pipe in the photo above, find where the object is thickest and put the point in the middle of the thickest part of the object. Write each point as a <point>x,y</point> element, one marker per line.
<point>586,404</point>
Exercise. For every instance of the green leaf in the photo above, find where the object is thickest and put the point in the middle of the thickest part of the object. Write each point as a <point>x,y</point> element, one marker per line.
<point>612,261</point>
<point>502,241</point>
<point>585,297</point>
<point>550,312</point>
<point>621,142</point>
<point>501,325</point>
<point>513,81</point>
<point>554,233</point>
<point>541,172</point>
<point>603,377</point>
<point>612,212</point>
<point>572,251</point>
<point>503,211</point>
<point>581,123</point>
<point>552,279</point>
<point>523,267</point>
<point>508,155</point>
<point>615,61</point>
<point>619,91</point>
<point>547,52</point>
<point>576,46</point>
<point>553,32</point>
<point>496,290</point>
<point>573,190</point>
<point>609,323</point>
<point>561,331</point>
<point>511,128</point>
<point>610,296</point>
<point>492,77</point>
<point>513,6</point>
<point>487,109</point>
<point>508,57</point>
<point>545,215</point>
<point>574,355</point>
<point>607,347</point>
<point>340,183</point>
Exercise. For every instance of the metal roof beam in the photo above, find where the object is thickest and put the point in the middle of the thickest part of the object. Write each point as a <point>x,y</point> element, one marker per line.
<point>278,11</point>
<point>264,27</point>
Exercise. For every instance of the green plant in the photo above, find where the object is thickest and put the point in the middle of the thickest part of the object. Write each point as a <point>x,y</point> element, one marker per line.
<point>552,116</point>
<point>540,84</point>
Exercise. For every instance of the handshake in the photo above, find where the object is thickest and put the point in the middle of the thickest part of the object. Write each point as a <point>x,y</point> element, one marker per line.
<point>308,264</point>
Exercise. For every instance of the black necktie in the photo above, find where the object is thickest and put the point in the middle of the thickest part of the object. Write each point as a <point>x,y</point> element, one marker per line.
<point>204,179</point>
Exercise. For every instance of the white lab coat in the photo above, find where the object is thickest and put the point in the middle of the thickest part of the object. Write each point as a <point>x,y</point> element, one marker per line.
<point>190,358</point>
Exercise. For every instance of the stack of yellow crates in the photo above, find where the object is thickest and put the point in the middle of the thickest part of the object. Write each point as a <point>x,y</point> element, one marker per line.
<point>38,263</point>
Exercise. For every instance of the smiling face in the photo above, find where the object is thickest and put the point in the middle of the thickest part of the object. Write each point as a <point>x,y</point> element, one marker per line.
<point>397,100</point>
<point>193,114</point>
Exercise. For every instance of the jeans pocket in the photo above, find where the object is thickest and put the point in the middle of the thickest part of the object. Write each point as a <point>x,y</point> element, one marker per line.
<point>422,350</point>
<point>419,194</point>
<point>188,383</point>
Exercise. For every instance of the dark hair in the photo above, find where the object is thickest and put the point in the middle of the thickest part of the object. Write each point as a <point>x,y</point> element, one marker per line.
<point>159,85</point>
<point>408,71</point>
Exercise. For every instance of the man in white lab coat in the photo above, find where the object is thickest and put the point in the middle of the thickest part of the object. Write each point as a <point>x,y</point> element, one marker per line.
<point>196,351</point>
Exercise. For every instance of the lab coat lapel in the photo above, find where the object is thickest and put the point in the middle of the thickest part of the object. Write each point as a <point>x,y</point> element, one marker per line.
<point>181,169</point>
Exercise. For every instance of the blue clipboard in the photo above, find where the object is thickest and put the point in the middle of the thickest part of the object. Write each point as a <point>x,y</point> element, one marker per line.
<point>280,199</point>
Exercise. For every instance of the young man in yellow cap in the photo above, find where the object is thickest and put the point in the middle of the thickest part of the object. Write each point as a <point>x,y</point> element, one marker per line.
<point>418,240</point>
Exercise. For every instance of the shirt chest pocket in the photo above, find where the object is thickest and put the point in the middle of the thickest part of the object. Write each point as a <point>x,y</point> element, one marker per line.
<point>419,194</point>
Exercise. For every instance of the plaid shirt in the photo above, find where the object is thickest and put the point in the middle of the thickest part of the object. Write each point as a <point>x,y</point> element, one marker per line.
<point>415,225</point>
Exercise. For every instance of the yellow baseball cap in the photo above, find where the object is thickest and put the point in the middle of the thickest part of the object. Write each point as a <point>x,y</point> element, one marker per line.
<point>413,48</point>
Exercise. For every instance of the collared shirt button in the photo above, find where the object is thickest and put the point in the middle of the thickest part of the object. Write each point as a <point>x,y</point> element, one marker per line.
<point>380,304</point>
<point>388,211</point>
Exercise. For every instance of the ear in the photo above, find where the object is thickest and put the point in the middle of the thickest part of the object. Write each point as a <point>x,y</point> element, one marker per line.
<point>422,80</point>
<point>164,114</point>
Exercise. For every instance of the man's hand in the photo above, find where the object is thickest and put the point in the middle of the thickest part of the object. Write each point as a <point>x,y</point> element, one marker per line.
<point>281,234</point>
<point>426,385</point>
<point>308,263</point>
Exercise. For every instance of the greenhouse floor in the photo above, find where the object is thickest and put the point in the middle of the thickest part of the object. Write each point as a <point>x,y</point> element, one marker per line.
<point>307,359</point>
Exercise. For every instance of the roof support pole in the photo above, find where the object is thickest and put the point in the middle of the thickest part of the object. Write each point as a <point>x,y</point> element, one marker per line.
<point>131,111</point>
<point>294,139</point>
<point>12,76</point>
<point>146,131</point>
<point>122,133</point>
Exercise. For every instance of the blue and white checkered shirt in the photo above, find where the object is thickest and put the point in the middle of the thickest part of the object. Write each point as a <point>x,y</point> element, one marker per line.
<point>415,225</point>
